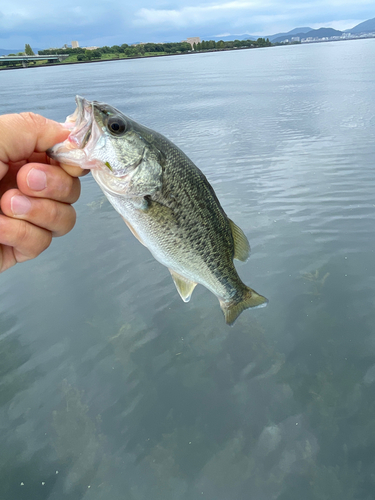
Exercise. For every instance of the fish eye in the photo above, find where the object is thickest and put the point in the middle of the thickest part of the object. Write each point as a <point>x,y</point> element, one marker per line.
<point>116,125</point>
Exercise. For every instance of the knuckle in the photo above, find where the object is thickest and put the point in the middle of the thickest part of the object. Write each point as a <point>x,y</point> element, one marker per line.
<point>63,219</point>
<point>54,214</point>
<point>42,244</point>
<point>67,188</point>
<point>22,234</point>
<point>30,240</point>
<point>75,189</point>
<point>33,119</point>
<point>61,186</point>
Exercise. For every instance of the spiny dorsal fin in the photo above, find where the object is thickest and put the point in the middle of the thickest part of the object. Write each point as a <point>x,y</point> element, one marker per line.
<point>250,299</point>
<point>241,245</point>
<point>184,286</point>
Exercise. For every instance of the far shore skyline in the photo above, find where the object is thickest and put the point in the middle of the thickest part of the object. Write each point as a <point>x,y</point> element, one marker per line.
<point>92,23</point>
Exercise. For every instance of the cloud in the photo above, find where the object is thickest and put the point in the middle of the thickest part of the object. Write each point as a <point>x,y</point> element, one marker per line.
<point>47,16</point>
<point>186,16</point>
<point>338,25</point>
<point>247,16</point>
<point>94,22</point>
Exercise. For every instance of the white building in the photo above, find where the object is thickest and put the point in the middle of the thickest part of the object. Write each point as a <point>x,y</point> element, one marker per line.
<point>193,40</point>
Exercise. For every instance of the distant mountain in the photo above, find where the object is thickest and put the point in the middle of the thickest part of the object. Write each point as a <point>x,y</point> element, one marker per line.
<point>293,32</point>
<point>320,33</point>
<point>305,32</point>
<point>365,27</point>
<point>228,38</point>
<point>5,52</point>
<point>247,36</point>
<point>323,32</point>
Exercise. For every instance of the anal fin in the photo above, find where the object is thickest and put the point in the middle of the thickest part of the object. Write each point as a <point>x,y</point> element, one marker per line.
<point>184,286</point>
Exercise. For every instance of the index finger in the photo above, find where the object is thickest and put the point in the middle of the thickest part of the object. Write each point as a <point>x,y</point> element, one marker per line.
<point>69,169</point>
<point>23,134</point>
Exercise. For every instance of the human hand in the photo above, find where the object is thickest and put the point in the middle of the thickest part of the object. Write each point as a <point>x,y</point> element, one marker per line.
<point>35,193</point>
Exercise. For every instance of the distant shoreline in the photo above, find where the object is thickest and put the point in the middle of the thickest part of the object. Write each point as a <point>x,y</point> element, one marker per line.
<point>127,58</point>
<point>5,68</point>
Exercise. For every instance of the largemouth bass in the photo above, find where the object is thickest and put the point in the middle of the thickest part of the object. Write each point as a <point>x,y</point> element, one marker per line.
<point>165,200</point>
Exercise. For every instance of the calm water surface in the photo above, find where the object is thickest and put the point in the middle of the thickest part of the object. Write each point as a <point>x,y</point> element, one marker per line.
<point>112,387</point>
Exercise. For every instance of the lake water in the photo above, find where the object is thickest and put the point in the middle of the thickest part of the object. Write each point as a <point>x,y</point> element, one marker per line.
<point>112,387</point>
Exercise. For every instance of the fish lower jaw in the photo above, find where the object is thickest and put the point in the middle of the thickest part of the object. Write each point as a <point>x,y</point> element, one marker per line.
<point>109,182</point>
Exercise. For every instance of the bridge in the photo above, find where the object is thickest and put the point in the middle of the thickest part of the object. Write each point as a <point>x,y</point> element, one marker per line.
<point>25,59</point>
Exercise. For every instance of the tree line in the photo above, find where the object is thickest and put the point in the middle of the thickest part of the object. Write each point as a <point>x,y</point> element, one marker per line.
<point>125,50</point>
<point>138,50</point>
<point>231,44</point>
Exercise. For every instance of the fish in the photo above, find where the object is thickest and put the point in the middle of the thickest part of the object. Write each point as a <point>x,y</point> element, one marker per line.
<point>165,200</point>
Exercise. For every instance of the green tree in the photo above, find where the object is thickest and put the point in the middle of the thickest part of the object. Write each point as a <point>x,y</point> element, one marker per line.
<point>117,49</point>
<point>28,50</point>
<point>95,54</point>
<point>139,50</point>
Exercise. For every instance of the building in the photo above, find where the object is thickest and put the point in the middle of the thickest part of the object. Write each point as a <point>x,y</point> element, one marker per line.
<point>193,40</point>
<point>75,45</point>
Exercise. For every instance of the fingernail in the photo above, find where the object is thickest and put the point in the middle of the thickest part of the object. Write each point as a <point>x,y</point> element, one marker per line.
<point>20,205</point>
<point>36,179</point>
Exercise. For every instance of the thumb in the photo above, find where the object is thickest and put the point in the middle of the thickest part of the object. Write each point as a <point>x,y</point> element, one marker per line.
<point>25,133</point>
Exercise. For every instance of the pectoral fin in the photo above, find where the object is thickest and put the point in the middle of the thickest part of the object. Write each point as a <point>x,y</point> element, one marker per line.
<point>241,245</point>
<point>184,286</point>
<point>133,231</point>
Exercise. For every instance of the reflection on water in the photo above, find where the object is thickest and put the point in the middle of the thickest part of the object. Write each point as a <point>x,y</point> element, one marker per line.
<point>112,387</point>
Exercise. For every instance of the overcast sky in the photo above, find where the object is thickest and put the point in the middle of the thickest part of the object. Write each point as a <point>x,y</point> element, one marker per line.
<point>45,24</point>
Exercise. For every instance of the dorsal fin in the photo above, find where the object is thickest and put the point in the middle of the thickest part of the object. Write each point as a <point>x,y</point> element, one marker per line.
<point>241,245</point>
<point>184,286</point>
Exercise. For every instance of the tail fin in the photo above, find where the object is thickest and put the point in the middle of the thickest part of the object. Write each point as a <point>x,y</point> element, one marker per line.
<point>233,309</point>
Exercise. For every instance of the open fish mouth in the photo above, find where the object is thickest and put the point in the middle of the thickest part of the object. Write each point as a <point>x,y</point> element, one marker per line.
<point>88,145</point>
<point>85,133</point>
<point>80,123</point>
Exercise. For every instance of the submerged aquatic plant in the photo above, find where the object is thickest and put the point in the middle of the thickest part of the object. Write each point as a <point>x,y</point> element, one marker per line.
<point>317,280</point>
